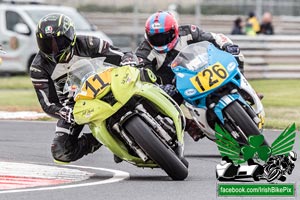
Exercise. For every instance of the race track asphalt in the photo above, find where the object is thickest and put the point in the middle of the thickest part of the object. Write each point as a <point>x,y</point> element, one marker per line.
<point>29,143</point>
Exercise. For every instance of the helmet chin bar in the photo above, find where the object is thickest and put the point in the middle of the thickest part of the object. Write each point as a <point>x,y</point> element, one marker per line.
<point>66,56</point>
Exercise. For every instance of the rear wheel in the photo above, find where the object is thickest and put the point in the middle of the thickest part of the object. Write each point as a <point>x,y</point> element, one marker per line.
<point>241,119</point>
<point>163,155</point>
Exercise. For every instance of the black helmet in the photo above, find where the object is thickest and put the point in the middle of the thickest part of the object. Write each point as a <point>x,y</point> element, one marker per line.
<point>56,37</point>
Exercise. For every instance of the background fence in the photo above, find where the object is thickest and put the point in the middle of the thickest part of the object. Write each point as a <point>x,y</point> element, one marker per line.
<point>276,56</point>
<point>267,56</point>
<point>229,7</point>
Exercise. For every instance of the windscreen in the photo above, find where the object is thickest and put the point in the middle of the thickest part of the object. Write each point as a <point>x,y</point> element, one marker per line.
<point>81,70</point>
<point>193,57</point>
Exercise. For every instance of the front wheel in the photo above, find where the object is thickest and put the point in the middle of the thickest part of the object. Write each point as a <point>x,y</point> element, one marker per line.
<point>163,155</point>
<point>239,118</point>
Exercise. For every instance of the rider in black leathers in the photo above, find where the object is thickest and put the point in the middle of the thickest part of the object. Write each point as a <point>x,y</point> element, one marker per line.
<point>163,41</point>
<point>59,48</point>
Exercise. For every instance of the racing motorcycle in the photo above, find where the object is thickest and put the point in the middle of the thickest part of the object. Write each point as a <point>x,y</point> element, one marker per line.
<point>216,92</point>
<point>136,120</point>
<point>277,167</point>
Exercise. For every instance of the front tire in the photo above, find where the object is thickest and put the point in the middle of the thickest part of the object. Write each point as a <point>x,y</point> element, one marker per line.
<point>240,118</point>
<point>165,157</point>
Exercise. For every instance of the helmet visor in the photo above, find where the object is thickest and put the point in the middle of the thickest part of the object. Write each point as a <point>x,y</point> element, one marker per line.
<point>54,45</point>
<point>161,39</point>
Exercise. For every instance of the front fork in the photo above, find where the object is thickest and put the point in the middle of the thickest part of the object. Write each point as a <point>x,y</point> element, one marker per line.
<point>159,125</point>
<point>199,114</point>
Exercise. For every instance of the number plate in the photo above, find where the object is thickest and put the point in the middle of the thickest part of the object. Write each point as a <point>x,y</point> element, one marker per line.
<point>210,78</point>
<point>94,85</point>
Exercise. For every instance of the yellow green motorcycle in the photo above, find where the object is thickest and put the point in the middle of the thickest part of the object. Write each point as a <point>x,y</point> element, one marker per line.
<point>136,120</point>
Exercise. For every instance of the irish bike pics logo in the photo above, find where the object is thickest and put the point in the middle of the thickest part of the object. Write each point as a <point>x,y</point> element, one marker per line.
<point>256,160</point>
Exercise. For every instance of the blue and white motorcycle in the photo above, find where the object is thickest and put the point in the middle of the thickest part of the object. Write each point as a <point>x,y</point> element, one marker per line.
<point>217,93</point>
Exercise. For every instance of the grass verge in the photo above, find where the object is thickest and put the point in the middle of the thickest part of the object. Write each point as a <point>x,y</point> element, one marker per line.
<point>281,101</point>
<point>15,82</point>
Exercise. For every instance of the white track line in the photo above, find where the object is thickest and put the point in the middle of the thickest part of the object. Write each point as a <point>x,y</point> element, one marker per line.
<point>29,115</point>
<point>118,176</point>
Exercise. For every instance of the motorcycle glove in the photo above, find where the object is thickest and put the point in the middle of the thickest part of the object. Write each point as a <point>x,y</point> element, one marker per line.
<point>169,89</point>
<point>232,48</point>
<point>66,113</point>
<point>235,50</point>
<point>129,59</point>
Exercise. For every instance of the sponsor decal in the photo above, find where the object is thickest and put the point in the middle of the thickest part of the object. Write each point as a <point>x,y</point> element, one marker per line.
<point>223,38</point>
<point>181,75</point>
<point>190,92</point>
<point>156,25</point>
<point>231,66</point>
<point>33,69</point>
<point>88,112</point>
<point>48,29</point>
<point>193,28</point>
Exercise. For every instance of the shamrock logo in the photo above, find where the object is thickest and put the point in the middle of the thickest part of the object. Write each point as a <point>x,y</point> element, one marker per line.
<point>229,147</point>
<point>255,147</point>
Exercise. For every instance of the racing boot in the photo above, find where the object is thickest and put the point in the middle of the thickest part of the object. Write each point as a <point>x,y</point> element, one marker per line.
<point>67,148</point>
<point>193,130</point>
<point>117,159</point>
<point>90,143</point>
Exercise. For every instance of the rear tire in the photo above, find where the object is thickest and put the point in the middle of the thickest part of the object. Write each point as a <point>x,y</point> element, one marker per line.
<point>162,155</point>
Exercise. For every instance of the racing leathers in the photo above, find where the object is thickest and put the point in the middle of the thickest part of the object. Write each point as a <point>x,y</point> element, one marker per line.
<point>49,79</point>
<point>159,62</point>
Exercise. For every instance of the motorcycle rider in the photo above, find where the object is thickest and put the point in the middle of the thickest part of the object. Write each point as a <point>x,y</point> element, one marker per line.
<point>163,41</point>
<point>59,48</point>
